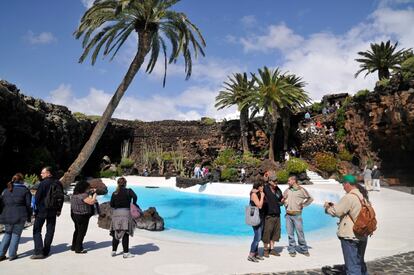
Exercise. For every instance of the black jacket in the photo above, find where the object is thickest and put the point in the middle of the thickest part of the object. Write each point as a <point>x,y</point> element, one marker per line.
<point>272,201</point>
<point>17,205</point>
<point>40,197</point>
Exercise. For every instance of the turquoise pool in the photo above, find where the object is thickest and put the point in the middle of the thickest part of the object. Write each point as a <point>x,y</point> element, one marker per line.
<point>208,214</point>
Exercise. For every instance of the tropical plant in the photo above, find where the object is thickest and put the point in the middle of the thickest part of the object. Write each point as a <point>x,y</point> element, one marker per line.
<point>126,163</point>
<point>325,161</point>
<point>31,179</point>
<point>229,174</point>
<point>207,121</point>
<point>382,58</point>
<point>108,24</point>
<point>237,91</point>
<point>296,165</point>
<point>407,68</point>
<point>282,176</point>
<point>276,92</point>
<point>227,158</point>
<point>345,155</point>
<point>361,94</point>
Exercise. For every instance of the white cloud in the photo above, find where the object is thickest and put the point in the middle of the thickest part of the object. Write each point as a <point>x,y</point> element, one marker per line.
<point>41,38</point>
<point>87,3</point>
<point>191,104</point>
<point>248,21</point>
<point>326,61</point>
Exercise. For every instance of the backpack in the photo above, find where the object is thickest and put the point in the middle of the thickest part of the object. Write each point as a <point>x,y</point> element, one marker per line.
<point>366,223</point>
<point>54,197</point>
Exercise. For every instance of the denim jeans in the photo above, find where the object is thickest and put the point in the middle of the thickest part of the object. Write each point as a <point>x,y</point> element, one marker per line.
<point>254,248</point>
<point>11,239</point>
<point>40,247</point>
<point>295,223</point>
<point>354,252</point>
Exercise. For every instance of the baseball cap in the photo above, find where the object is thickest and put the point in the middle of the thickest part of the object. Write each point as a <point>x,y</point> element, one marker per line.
<point>349,179</point>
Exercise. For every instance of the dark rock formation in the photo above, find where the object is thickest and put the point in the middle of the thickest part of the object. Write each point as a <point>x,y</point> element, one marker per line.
<point>100,187</point>
<point>182,182</point>
<point>149,220</point>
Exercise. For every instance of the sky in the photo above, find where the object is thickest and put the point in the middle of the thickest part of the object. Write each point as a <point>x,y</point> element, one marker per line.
<point>317,40</point>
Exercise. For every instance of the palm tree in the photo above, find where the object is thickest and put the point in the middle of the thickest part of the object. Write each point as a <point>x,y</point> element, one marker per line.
<point>274,94</point>
<point>237,91</point>
<point>297,83</point>
<point>381,58</point>
<point>108,24</point>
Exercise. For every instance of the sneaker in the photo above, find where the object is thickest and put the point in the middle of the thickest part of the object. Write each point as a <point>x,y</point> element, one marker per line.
<point>128,255</point>
<point>37,257</point>
<point>113,253</point>
<point>252,259</point>
<point>258,257</point>
<point>292,254</point>
<point>12,258</point>
<point>274,253</point>
<point>306,254</point>
<point>2,258</point>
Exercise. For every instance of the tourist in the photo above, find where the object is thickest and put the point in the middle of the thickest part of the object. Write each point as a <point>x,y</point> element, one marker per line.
<point>367,173</point>
<point>331,130</point>
<point>347,210</point>
<point>81,205</point>
<point>44,214</point>
<point>145,172</point>
<point>324,110</point>
<point>295,199</point>
<point>271,209</point>
<point>197,171</point>
<point>318,124</point>
<point>16,211</point>
<point>256,199</point>
<point>307,116</point>
<point>242,175</point>
<point>122,225</point>
<point>287,156</point>
<point>376,175</point>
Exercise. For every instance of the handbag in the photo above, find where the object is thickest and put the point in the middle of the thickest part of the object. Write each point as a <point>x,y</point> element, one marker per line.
<point>136,212</point>
<point>252,215</point>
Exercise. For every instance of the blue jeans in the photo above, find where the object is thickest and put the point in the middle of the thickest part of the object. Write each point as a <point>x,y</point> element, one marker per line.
<point>40,247</point>
<point>295,223</point>
<point>354,252</point>
<point>254,248</point>
<point>11,239</point>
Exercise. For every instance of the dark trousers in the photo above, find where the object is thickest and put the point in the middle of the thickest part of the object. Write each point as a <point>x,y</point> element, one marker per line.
<point>81,227</point>
<point>125,243</point>
<point>354,253</point>
<point>40,247</point>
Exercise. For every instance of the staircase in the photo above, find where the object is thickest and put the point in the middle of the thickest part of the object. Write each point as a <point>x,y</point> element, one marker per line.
<point>316,179</point>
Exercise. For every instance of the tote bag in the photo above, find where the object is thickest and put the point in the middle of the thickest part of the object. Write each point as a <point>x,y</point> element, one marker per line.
<point>135,211</point>
<point>252,215</point>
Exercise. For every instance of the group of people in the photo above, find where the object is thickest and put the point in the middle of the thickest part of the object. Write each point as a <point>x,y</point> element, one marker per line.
<point>201,172</point>
<point>372,178</point>
<point>269,198</point>
<point>18,207</point>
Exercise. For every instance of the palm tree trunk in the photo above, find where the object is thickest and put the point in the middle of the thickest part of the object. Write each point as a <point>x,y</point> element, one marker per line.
<point>383,73</point>
<point>89,147</point>
<point>271,146</point>
<point>286,129</point>
<point>244,128</point>
<point>273,127</point>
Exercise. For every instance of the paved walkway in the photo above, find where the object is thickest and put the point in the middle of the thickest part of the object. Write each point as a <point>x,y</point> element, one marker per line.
<point>395,265</point>
<point>161,253</point>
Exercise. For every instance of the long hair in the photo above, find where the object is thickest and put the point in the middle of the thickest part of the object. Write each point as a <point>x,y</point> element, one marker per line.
<point>16,178</point>
<point>121,183</point>
<point>81,187</point>
<point>363,191</point>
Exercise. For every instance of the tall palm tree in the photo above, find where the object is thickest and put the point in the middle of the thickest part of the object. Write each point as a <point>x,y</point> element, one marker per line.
<point>274,93</point>
<point>237,91</point>
<point>297,83</point>
<point>108,24</point>
<point>381,58</point>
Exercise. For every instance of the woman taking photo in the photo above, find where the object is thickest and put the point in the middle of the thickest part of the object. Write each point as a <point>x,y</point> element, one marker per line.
<point>81,203</point>
<point>122,225</point>
<point>256,199</point>
<point>16,211</point>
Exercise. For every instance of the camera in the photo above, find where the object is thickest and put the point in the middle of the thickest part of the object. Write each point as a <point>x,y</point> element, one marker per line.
<point>91,192</point>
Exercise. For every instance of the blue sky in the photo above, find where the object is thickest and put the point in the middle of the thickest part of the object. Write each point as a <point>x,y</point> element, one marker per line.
<point>317,40</point>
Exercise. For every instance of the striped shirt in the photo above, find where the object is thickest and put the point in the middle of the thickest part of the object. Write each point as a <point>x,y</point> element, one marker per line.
<point>78,206</point>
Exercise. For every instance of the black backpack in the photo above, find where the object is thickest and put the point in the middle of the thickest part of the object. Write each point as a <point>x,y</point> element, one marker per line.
<point>55,196</point>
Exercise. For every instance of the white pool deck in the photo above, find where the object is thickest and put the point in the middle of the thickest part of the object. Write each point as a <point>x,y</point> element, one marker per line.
<point>171,253</point>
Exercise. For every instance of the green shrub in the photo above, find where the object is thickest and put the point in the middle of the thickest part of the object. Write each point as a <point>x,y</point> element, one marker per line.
<point>341,134</point>
<point>167,156</point>
<point>316,107</point>
<point>208,120</point>
<point>345,155</point>
<point>31,179</point>
<point>227,157</point>
<point>296,166</point>
<point>126,163</point>
<point>361,94</point>
<point>110,173</point>
<point>80,116</point>
<point>325,162</point>
<point>250,160</point>
<point>407,68</point>
<point>385,82</point>
<point>282,176</point>
<point>229,174</point>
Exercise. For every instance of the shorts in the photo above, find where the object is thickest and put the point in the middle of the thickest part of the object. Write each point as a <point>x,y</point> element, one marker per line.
<point>271,231</point>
